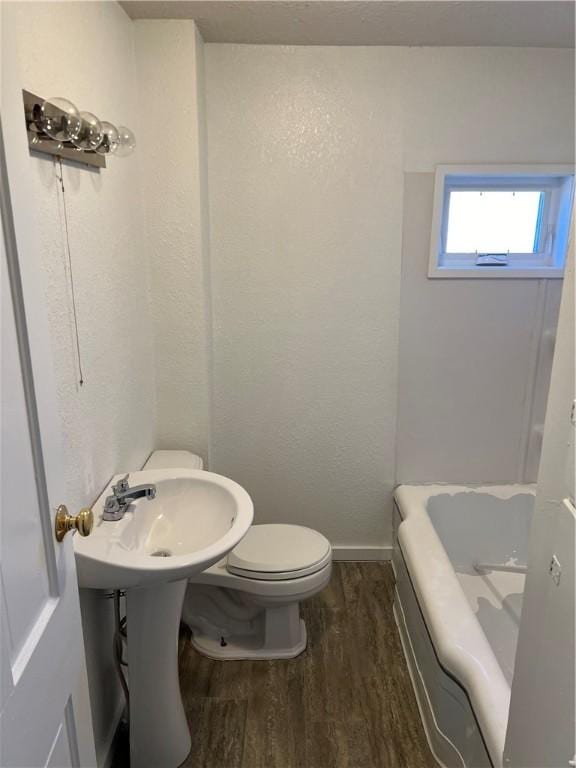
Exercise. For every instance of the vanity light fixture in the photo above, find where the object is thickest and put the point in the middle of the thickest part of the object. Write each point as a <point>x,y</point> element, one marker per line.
<point>110,138</point>
<point>126,142</point>
<point>57,118</point>
<point>90,135</point>
<point>56,127</point>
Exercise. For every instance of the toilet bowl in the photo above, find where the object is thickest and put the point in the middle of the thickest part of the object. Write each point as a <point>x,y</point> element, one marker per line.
<point>247,606</point>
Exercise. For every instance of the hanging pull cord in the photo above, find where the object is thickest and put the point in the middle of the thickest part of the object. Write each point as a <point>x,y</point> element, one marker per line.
<point>69,255</point>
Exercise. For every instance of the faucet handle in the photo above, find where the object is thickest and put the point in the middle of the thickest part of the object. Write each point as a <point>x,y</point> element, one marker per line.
<point>112,509</point>
<point>121,486</point>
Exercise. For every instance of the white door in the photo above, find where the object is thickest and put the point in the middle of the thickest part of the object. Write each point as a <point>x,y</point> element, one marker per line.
<point>44,708</point>
<point>542,722</point>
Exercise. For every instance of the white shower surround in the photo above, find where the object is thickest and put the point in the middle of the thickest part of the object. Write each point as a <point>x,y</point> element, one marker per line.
<point>445,600</point>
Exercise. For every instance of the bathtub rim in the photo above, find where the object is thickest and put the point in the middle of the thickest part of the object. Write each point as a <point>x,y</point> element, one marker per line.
<point>458,638</point>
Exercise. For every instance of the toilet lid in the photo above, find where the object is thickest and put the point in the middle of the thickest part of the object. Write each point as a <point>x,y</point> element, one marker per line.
<point>277,551</point>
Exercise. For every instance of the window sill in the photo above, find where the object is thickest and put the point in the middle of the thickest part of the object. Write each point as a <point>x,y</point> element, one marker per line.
<point>474,272</point>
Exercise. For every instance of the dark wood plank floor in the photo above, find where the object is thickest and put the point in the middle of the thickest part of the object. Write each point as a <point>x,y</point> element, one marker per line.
<point>347,702</point>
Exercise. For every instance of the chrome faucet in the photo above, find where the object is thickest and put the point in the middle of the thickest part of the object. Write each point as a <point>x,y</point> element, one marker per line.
<point>122,496</point>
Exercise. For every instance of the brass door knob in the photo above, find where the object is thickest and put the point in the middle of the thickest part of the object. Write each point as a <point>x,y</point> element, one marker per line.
<point>82,522</point>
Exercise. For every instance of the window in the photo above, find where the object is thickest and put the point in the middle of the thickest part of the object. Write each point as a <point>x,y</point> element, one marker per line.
<point>501,221</point>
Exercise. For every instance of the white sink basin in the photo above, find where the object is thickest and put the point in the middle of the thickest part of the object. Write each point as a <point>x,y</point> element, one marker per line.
<point>196,518</point>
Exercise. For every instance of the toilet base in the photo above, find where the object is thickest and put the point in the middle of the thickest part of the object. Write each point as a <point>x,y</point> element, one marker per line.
<point>249,647</point>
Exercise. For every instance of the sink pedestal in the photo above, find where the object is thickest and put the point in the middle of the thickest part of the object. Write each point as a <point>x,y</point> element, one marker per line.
<point>159,733</point>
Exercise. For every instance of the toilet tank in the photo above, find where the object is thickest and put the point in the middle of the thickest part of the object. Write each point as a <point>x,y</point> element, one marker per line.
<point>173,459</point>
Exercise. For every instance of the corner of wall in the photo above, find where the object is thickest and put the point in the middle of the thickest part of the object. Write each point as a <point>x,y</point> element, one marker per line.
<point>169,55</point>
<point>205,231</point>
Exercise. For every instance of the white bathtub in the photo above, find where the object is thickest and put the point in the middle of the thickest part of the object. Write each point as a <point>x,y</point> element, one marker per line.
<point>460,625</point>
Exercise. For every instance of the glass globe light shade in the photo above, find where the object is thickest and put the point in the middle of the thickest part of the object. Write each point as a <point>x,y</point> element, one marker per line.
<point>126,142</point>
<point>110,138</point>
<point>91,133</point>
<point>59,119</point>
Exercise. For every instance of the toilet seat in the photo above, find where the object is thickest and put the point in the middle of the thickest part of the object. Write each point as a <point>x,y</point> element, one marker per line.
<point>277,552</point>
<point>282,575</point>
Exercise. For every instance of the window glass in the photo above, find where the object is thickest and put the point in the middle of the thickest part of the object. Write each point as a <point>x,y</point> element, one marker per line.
<point>494,221</point>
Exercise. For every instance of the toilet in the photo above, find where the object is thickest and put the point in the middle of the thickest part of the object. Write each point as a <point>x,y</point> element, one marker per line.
<point>247,606</point>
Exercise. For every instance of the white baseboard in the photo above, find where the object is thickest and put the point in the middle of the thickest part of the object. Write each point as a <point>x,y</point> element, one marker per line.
<point>360,554</point>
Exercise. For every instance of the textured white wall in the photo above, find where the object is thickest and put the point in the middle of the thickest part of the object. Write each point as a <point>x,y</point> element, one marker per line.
<point>172,150</point>
<point>85,51</point>
<point>475,362</point>
<point>305,167</point>
<point>307,148</point>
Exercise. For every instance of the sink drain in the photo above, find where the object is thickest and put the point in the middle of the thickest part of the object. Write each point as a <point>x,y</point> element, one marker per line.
<point>161,553</point>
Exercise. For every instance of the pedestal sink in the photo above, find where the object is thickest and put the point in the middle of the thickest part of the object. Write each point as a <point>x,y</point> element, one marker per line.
<point>195,519</point>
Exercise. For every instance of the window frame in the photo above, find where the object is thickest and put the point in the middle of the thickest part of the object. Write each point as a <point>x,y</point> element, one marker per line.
<point>557,183</point>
